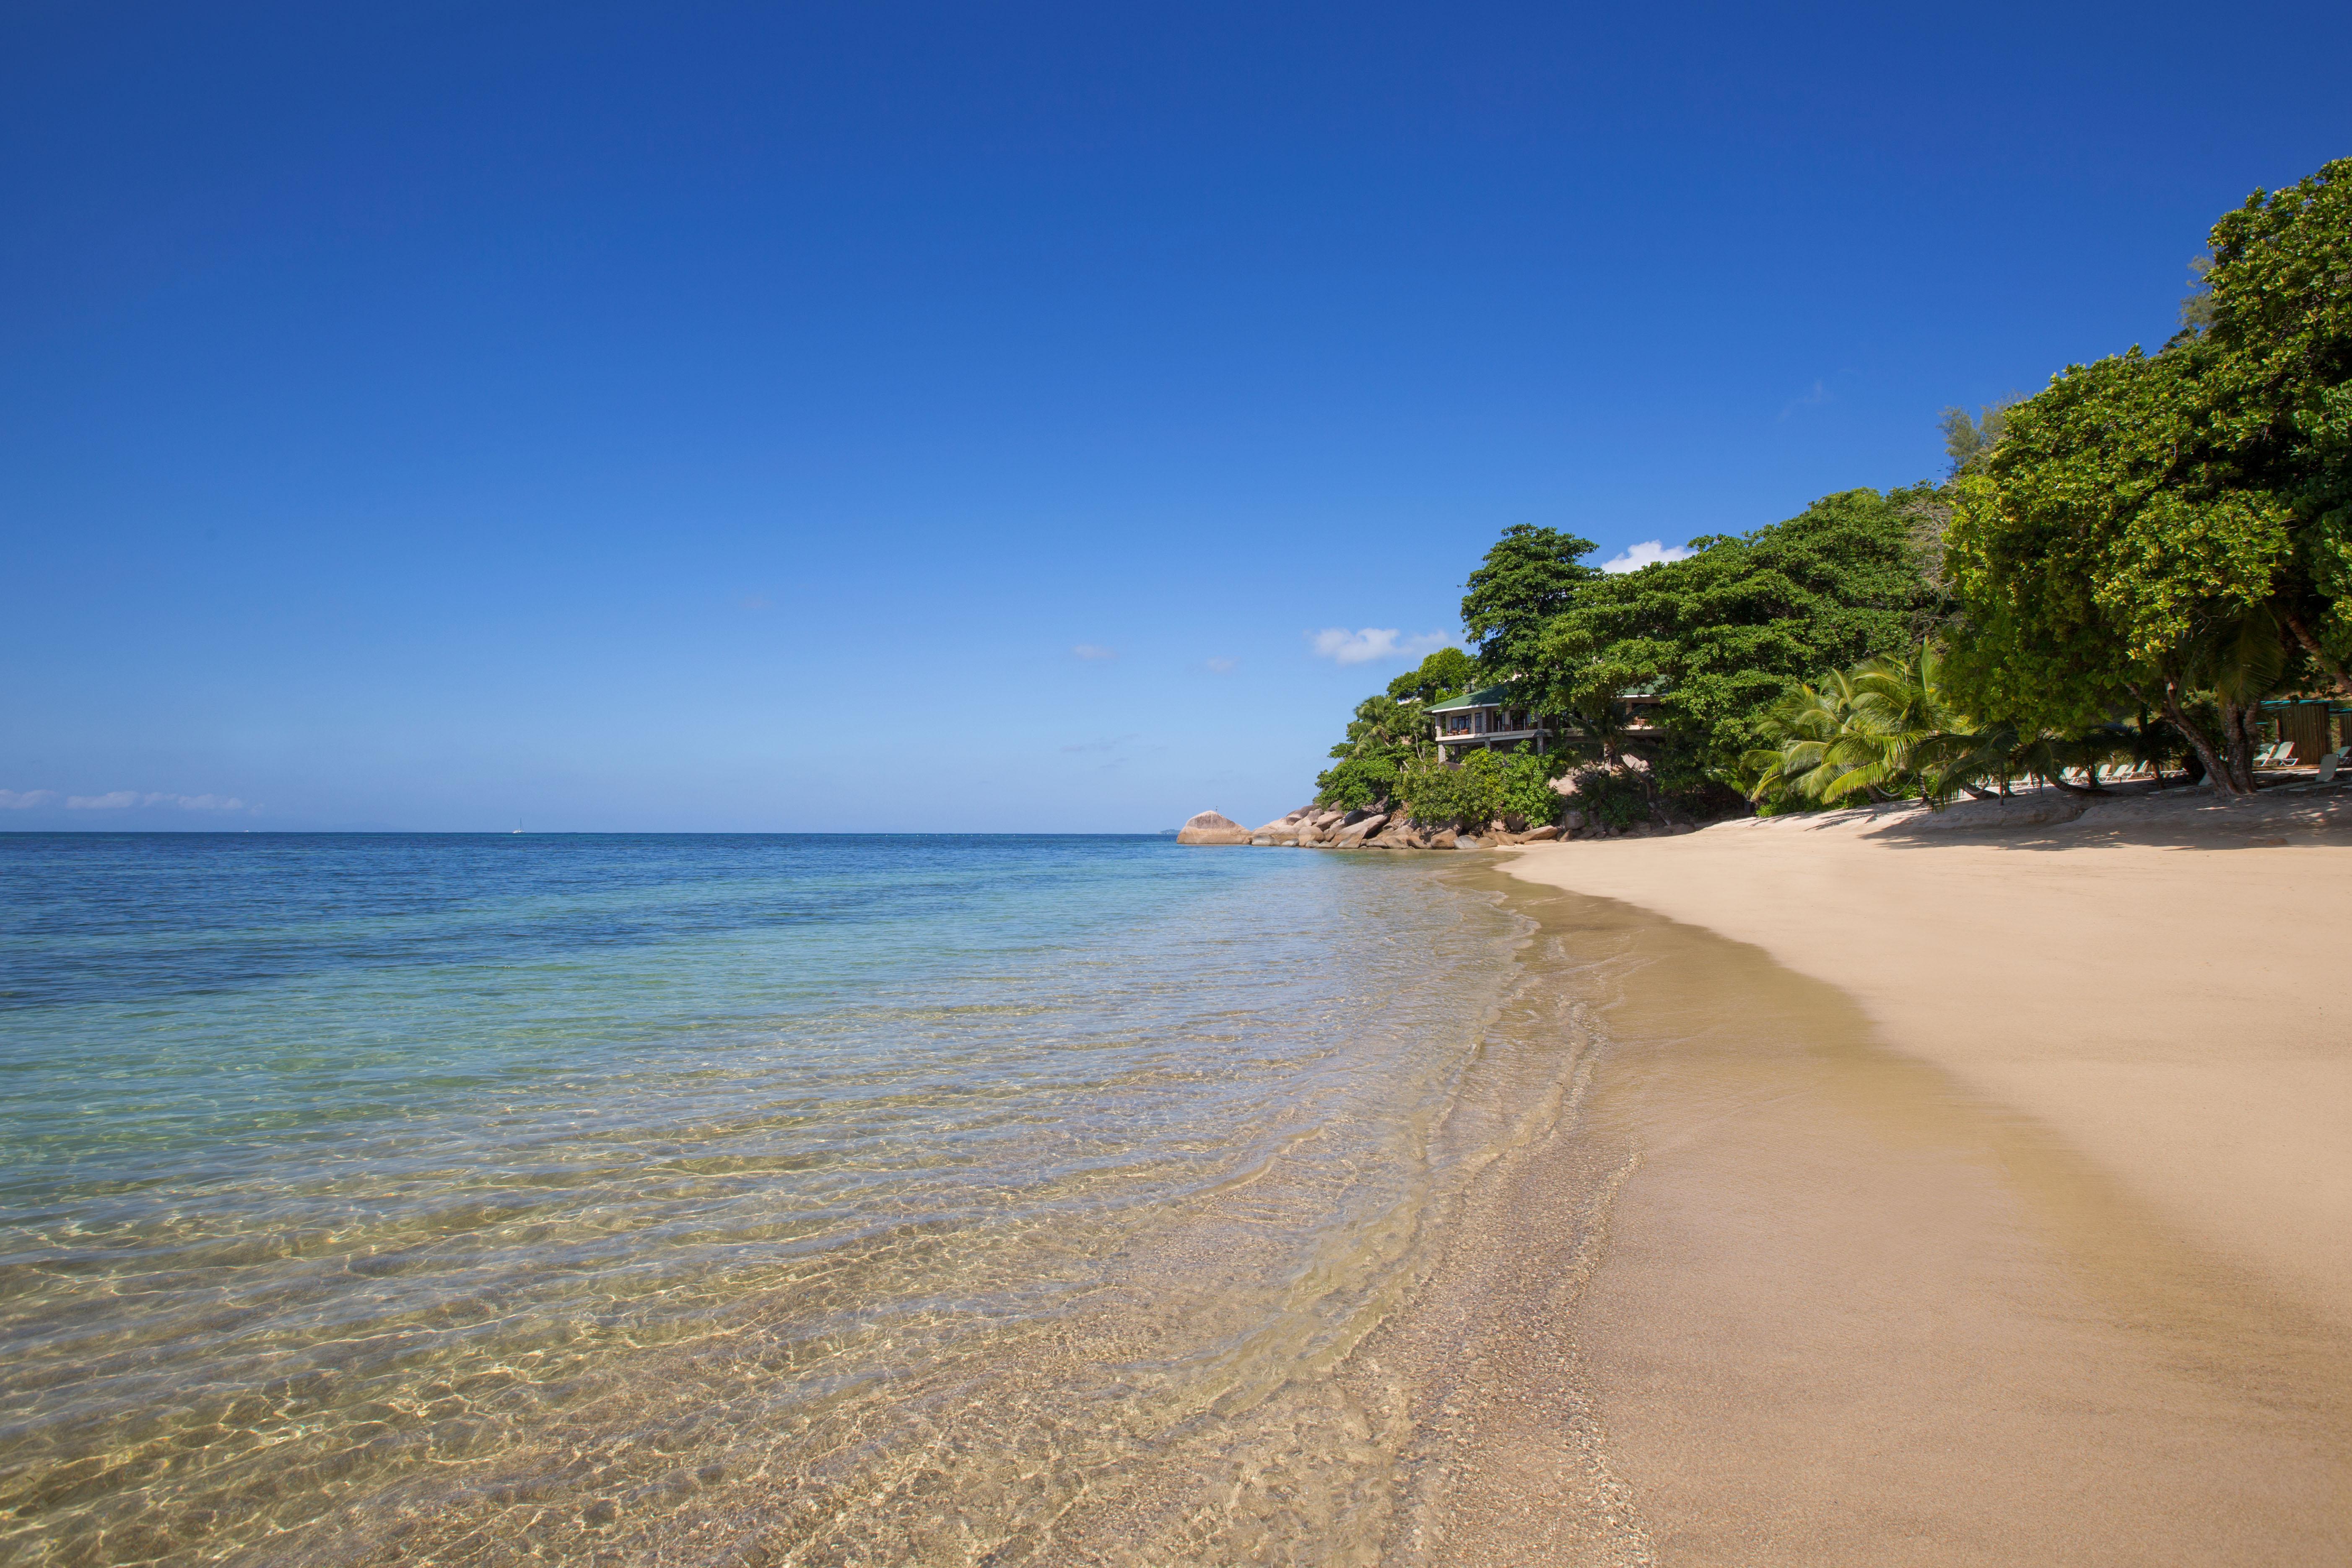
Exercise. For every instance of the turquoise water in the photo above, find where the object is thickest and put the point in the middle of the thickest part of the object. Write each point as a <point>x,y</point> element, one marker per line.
<point>731,1199</point>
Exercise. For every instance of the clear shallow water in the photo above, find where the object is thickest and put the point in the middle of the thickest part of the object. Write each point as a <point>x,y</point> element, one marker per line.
<point>765,1199</point>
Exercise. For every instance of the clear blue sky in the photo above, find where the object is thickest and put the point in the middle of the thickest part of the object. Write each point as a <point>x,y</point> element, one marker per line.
<point>691,416</point>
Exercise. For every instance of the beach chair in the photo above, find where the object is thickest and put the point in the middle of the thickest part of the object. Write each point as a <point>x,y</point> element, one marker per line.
<point>2270,756</point>
<point>2330,763</point>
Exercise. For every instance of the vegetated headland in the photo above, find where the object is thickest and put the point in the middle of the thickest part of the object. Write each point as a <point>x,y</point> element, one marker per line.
<point>2144,570</point>
<point>2043,767</point>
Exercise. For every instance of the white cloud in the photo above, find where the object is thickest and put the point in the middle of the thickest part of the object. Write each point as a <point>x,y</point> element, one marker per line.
<point>1095,651</point>
<point>1344,646</point>
<point>123,799</point>
<point>198,802</point>
<point>1224,666</point>
<point>1649,553</point>
<point>24,800</point>
<point>1819,394</point>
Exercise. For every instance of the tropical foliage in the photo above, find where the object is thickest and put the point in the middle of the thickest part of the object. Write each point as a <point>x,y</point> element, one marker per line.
<point>1485,787</point>
<point>1723,634</point>
<point>1390,731</point>
<point>1530,575</point>
<point>1448,672</point>
<point>2157,528</point>
<point>2118,571</point>
<point>1890,728</point>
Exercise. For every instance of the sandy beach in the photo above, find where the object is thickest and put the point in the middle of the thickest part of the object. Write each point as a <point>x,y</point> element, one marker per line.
<point>1988,1195</point>
<point>2162,982</point>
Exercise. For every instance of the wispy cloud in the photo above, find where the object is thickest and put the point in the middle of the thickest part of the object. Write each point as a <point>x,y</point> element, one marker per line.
<point>1343,646</point>
<point>1095,652</point>
<point>1819,394</point>
<point>124,799</point>
<point>753,601</point>
<point>25,799</point>
<point>1112,744</point>
<point>1224,666</point>
<point>1649,553</point>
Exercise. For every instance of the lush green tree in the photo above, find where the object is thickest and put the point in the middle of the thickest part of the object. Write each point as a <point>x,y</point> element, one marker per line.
<point>1527,793</point>
<point>1468,795</point>
<point>2110,551</point>
<point>2278,293</point>
<point>1876,729</point>
<point>1356,783</point>
<point>1484,788</point>
<point>1530,575</point>
<point>1968,441</point>
<point>1384,738</point>
<point>2159,530</point>
<point>1725,632</point>
<point>1801,732</point>
<point>1448,672</point>
<point>1889,727</point>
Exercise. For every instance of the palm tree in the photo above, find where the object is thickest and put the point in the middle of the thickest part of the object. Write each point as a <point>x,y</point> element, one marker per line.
<point>1868,730</point>
<point>1888,728</point>
<point>1806,729</point>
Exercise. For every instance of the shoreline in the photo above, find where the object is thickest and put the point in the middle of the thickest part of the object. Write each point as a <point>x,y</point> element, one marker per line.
<point>2160,980</point>
<point>1841,1305</point>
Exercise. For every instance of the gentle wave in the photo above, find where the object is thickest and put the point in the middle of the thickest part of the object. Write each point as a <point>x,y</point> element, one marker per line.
<point>820,1199</point>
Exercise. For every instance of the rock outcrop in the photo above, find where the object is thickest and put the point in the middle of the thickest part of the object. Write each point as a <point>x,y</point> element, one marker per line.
<point>1363,829</point>
<point>1212,827</point>
<point>1283,829</point>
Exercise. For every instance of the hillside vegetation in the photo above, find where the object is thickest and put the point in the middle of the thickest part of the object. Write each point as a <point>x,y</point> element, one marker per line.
<point>2119,570</point>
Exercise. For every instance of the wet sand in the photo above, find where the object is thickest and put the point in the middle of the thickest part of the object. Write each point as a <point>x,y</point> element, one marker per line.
<point>1902,1270</point>
<point>2162,983</point>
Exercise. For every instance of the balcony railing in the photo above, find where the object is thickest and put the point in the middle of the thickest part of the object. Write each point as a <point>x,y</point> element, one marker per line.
<point>1447,737</point>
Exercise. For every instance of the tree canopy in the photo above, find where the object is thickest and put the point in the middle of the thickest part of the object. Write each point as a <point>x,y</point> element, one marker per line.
<point>1448,672</point>
<point>2151,534</point>
<point>2150,527</point>
<point>1730,629</point>
<point>1528,577</point>
<point>2280,290</point>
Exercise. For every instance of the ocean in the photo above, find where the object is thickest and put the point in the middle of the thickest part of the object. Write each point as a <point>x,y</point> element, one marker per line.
<point>800,1199</point>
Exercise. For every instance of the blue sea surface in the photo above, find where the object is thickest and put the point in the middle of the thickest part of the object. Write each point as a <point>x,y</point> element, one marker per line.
<point>464,1198</point>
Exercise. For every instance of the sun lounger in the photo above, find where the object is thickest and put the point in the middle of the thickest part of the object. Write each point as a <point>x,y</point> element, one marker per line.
<point>2330,763</point>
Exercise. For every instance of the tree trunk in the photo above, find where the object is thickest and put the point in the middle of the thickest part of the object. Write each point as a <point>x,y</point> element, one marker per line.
<point>2239,721</point>
<point>2224,782</point>
<point>2318,655</point>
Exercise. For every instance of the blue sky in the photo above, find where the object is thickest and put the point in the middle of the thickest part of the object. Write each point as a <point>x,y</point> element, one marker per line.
<point>968,417</point>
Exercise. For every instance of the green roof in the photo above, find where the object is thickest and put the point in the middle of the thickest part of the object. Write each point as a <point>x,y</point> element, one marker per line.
<point>1492,696</point>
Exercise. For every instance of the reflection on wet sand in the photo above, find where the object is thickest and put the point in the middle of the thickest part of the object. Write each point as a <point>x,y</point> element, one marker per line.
<point>1849,1313</point>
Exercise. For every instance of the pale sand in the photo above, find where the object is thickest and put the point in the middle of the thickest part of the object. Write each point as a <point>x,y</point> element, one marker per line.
<point>2165,983</point>
<point>2028,1257</point>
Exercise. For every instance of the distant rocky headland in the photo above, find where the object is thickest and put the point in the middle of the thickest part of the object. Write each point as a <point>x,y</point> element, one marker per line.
<point>1308,828</point>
